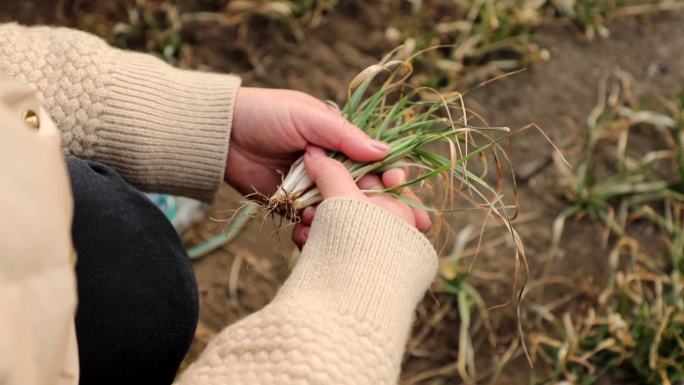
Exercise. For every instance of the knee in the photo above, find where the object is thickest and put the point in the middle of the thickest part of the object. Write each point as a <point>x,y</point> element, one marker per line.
<point>134,277</point>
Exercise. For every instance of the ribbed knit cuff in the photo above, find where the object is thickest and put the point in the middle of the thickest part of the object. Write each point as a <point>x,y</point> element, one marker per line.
<point>166,129</point>
<point>363,260</point>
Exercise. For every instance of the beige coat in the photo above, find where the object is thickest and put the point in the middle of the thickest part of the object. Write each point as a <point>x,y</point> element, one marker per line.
<point>37,286</point>
<point>342,317</point>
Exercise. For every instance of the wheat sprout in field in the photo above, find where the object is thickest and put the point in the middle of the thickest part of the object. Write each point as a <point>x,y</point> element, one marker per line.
<point>634,326</point>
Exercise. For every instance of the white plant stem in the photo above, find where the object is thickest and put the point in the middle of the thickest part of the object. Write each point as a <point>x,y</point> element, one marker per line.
<point>309,198</point>
<point>295,183</point>
<point>298,191</point>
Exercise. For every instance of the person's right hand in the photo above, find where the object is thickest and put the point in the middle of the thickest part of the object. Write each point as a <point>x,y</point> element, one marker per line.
<point>333,180</point>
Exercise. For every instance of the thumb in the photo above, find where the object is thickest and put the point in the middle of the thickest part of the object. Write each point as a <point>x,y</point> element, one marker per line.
<point>328,129</point>
<point>329,175</point>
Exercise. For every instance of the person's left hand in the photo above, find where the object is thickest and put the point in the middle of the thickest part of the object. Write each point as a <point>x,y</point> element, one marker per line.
<point>271,128</point>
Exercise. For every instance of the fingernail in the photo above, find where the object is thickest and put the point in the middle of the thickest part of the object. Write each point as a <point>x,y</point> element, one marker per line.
<point>380,146</point>
<point>314,152</point>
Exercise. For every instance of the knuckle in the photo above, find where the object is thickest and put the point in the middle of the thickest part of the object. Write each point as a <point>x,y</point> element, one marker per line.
<point>343,129</point>
<point>298,94</point>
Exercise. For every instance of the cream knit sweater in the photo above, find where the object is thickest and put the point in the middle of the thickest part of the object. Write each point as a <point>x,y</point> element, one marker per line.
<point>344,314</point>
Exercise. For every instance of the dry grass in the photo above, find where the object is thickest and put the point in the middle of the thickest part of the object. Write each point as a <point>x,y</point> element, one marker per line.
<point>486,38</point>
<point>634,328</point>
<point>156,26</point>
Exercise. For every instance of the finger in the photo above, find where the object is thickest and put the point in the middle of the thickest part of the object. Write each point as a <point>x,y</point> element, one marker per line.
<point>423,222</point>
<point>300,233</point>
<point>329,175</point>
<point>393,177</point>
<point>370,182</point>
<point>326,128</point>
<point>397,176</point>
<point>308,215</point>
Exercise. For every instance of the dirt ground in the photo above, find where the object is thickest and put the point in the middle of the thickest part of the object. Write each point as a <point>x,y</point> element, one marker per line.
<point>557,95</point>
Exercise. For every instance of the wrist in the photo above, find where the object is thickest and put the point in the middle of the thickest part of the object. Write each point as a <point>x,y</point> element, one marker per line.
<point>366,262</point>
<point>234,129</point>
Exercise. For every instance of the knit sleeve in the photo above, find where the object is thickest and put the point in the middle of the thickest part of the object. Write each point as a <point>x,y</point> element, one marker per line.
<point>163,129</point>
<point>344,314</point>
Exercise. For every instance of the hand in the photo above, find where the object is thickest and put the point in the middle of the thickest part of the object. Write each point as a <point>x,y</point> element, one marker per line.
<point>272,127</point>
<point>333,180</point>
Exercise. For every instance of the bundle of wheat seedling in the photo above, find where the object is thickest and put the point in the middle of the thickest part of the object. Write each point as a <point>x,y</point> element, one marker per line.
<point>415,122</point>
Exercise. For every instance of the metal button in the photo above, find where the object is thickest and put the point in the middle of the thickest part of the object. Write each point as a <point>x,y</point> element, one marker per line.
<point>31,119</point>
<point>73,256</point>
